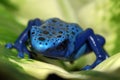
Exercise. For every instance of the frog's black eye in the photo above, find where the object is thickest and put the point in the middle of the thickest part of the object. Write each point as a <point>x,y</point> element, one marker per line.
<point>63,45</point>
<point>41,38</point>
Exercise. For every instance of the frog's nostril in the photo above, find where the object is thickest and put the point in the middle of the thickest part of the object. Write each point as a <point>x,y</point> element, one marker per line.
<point>41,38</point>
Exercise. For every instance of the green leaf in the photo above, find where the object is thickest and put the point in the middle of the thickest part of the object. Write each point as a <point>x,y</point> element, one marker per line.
<point>9,27</point>
<point>28,69</point>
<point>107,70</point>
<point>8,4</point>
<point>109,65</point>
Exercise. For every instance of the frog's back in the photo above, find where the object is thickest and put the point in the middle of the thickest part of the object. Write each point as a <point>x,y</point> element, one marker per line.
<point>70,30</point>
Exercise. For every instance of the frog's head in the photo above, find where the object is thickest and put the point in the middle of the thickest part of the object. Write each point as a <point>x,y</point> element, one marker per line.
<point>57,49</point>
<point>51,44</point>
<point>50,39</point>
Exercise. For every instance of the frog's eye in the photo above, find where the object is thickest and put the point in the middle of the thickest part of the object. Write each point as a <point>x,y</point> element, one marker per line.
<point>63,45</point>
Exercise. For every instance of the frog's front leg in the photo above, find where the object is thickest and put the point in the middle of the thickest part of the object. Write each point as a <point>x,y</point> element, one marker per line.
<point>95,45</point>
<point>22,39</point>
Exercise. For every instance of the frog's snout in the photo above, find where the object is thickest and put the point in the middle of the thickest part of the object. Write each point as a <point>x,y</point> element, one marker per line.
<point>58,50</point>
<point>63,45</point>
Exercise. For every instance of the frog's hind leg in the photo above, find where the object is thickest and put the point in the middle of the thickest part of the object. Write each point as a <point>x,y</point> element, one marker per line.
<point>19,44</point>
<point>95,45</point>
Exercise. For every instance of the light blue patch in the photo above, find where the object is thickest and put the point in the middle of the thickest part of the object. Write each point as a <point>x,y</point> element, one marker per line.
<point>80,52</point>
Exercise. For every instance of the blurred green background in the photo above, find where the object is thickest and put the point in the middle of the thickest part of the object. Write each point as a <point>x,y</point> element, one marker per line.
<point>101,15</point>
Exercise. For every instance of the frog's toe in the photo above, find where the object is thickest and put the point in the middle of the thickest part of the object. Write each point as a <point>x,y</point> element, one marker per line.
<point>9,46</point>
<point>20,54</point>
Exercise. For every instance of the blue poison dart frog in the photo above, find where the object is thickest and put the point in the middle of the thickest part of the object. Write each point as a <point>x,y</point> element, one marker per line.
<point>57,39</point>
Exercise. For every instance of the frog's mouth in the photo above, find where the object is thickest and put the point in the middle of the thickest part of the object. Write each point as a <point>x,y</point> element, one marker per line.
<point>58,51</point>
<point>62,46</point>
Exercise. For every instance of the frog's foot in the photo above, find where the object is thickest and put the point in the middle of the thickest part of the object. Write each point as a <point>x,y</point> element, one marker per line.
<point>20,54</point>
<point>98,60</point>
<point>9,46</point>
<point>21,48</point>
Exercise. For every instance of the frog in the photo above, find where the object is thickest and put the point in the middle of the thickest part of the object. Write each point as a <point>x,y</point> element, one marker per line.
<point>58,39</point>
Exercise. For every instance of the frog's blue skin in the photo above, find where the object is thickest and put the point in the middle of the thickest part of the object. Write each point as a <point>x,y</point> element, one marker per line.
<point>58,39</point>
